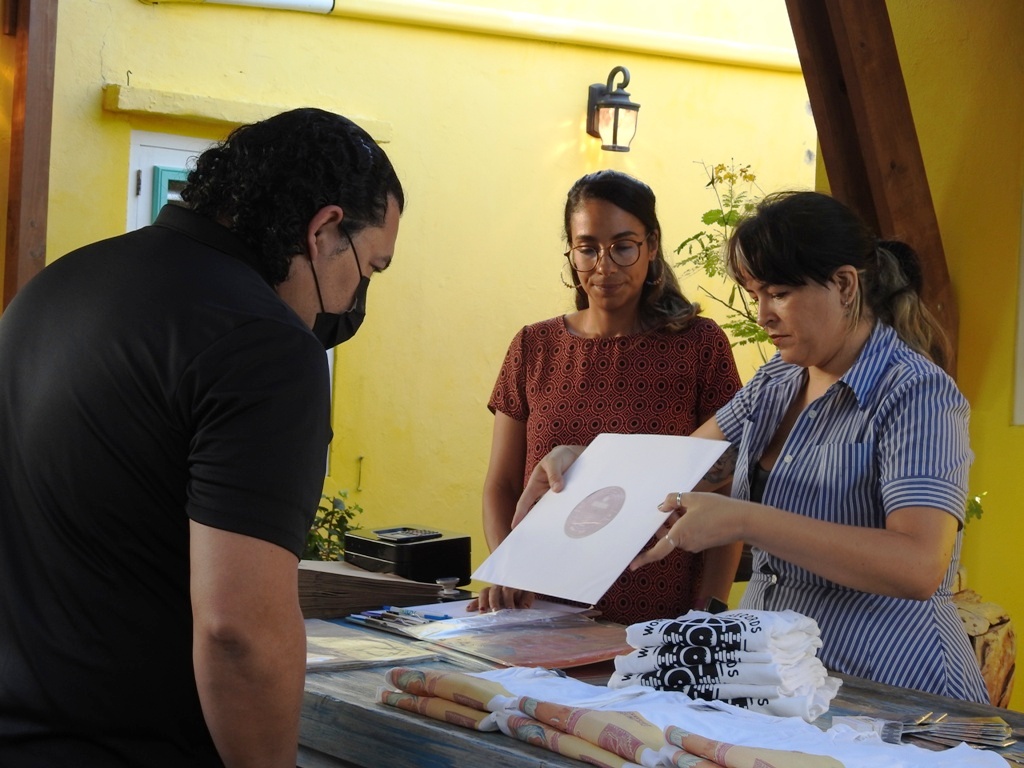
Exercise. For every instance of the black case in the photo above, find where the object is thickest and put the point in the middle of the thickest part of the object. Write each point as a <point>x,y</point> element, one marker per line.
<point>427,560</point>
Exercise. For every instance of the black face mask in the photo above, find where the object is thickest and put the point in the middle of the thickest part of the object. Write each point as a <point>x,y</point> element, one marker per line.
<point>333,328</point>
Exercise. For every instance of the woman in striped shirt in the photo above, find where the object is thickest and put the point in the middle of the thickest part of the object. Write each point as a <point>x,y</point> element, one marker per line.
<point>851,451</point>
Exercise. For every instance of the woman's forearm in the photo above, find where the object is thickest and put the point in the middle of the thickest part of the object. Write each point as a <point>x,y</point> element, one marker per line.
<point>907,559</point>
<point>499,506</point>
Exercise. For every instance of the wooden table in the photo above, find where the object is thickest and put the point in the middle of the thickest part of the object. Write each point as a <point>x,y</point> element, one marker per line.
<point>343,727</point>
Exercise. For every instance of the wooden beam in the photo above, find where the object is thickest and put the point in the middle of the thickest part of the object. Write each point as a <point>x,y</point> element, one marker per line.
<point>866,131</point>
<point>31,123</point>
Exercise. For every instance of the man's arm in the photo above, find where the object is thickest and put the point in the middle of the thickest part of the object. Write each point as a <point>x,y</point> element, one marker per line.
<point>248,646</point>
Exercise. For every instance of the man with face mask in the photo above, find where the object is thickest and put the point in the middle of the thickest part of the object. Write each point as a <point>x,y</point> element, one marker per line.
<point>164,421</point>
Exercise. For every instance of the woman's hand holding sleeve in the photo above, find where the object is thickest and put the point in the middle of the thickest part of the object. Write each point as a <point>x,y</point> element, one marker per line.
<point>907,559</point>
<point>547,475</point>
<point>495,597</point>
<point>702,521</point>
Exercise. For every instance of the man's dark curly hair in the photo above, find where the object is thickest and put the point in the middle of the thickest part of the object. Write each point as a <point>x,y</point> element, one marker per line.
<point>266,181</point>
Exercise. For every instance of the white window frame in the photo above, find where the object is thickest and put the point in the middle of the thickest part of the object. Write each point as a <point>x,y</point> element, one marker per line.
<point>155,158</point>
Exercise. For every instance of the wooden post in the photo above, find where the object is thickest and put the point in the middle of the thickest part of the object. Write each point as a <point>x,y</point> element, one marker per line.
<point>866,130</point>
<point>35,28</point>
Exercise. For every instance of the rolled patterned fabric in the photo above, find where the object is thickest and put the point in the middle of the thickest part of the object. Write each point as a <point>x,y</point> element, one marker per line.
<point>733,756</point>
<point>439,709</point>
<point>539,734</point>
<point>473,692</point>
<point>680,758</point>
<point>627,734</point>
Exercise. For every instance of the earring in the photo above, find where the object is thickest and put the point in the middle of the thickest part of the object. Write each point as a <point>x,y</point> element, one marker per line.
<point>569,283</point>
<point>661,274</point>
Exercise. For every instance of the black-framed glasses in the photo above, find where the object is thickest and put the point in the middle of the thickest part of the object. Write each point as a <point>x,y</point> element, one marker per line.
<point>623,252</point>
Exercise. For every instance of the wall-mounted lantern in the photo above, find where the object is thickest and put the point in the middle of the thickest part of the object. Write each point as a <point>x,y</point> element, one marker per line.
<point>611,116</point>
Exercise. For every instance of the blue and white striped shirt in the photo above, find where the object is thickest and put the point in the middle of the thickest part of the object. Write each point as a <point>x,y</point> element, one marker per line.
<point>891,433</point>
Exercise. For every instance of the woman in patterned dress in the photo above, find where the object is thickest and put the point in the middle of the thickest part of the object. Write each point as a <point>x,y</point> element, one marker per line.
<point>634,358</point>
<point>850,477</point>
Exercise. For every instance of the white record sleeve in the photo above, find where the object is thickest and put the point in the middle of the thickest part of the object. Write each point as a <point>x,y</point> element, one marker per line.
<point>575,543</point>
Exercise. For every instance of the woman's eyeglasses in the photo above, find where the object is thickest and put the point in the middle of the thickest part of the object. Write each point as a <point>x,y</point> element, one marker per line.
<point>623,252</point>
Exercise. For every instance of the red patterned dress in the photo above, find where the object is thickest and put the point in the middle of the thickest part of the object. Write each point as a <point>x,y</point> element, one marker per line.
<point>569,389</point>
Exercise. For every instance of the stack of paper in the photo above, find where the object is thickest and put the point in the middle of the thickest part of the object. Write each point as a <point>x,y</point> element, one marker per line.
<point>550,635</point>
<point>560,641</point>
<point>332,646</point>
<point>329,590</point>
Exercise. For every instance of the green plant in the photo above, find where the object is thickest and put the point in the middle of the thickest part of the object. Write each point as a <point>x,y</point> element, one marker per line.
<point>974,509</point>
<point>326,537</point>
<point>737,193</point>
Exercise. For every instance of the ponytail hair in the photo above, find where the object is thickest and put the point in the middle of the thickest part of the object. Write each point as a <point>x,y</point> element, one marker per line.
<point>893,292</point>
<point>794,238</point>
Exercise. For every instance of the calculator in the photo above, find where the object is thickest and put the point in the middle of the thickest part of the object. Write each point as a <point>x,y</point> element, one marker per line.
<point>404,534</point>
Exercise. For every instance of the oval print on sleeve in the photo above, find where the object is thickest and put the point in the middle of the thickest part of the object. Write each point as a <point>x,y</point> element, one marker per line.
<point>595,512</point>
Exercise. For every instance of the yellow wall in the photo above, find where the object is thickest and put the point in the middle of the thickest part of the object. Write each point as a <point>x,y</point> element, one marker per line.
<point>486,131</point>
<point>964,63</point>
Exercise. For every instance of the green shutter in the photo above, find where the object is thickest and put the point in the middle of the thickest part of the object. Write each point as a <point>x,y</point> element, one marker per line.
<point>167,185</point>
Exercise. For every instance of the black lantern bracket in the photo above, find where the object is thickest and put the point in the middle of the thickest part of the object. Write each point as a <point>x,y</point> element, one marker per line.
<point>611,116</point>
